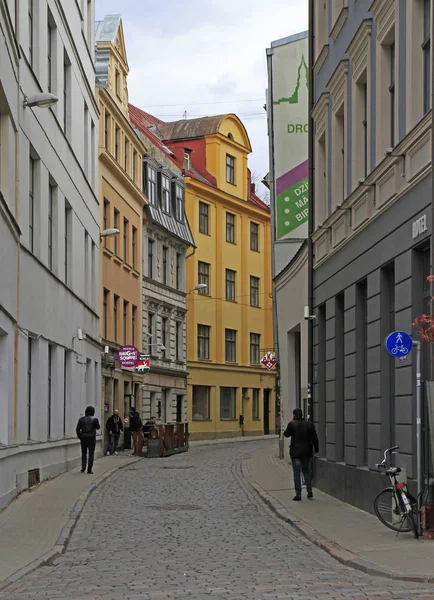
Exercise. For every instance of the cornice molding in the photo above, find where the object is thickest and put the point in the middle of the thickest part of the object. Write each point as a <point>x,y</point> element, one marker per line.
<point>358,50</point>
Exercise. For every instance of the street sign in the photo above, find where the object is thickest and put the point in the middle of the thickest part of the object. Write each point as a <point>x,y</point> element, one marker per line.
<point>128,356</point>
<point>144,364</point>
<point>398,344</point>
<point>268,360</point>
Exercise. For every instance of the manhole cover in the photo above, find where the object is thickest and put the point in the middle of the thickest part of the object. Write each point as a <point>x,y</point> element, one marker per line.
<point>175,468</point>
<point>173,507</point>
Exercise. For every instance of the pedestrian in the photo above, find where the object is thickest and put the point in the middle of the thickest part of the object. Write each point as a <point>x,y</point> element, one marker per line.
<point>303,441</point>
<point>87,427</point>
<point>114,427</point>
<point>136,431</point>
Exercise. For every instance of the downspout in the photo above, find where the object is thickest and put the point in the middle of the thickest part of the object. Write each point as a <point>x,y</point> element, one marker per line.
<point>311,218</point>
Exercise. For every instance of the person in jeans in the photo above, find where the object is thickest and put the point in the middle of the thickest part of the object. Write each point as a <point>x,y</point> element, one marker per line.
<point>86,429</point>
<point>136,431</point>
<point>114,427</point>
<point>303,441</point>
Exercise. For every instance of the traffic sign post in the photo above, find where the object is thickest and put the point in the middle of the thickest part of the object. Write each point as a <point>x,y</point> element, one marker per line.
<point>399,344</point>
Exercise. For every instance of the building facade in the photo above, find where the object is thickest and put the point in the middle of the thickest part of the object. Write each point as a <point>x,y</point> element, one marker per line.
<point>371,233</point>
<point>49,219</point>
<point>121,207</point>
<point>166,240</point>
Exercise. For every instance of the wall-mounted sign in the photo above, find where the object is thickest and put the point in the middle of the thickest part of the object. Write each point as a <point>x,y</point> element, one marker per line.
<point>419,226</point>
<point>268,360</point>
<point>144,364</point>
<point>128,356</point>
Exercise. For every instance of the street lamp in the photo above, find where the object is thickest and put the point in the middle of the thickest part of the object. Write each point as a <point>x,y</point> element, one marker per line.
<point>40,100</point>
<point>199,286</point>
<point>109,232</point>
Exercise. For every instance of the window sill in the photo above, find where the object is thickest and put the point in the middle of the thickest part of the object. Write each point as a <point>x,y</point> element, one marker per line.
<point>107,252</point>
<point>135,274</point>
<point>126,268</point>
<point>230,242</point>
<point>254,306</point>
<point>205,233</point>
<point>233,301</point>
<point>254,250</point>
<point>229,419</point>
<point>256,420</point>
<point>198,420</point>
<point>207,360</point>
<point>117,260</point>
<point>231,362</point>
<point>258,364</point>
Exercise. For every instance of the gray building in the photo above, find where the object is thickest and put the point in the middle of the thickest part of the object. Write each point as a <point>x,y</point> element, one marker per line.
<point>49,298</point>
<point>371,233</point>
<point>166,240</point>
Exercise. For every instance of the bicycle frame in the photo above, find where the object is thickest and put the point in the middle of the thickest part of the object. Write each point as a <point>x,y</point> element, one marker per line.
<point>392,473</point>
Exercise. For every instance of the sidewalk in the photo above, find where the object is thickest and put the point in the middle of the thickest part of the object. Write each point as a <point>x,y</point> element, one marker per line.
<point>352,536</point>
<point>36,526</point>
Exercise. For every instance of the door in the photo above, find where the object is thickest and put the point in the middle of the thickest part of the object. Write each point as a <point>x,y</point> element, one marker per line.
<point>179,401</point>
<point>266,412</point>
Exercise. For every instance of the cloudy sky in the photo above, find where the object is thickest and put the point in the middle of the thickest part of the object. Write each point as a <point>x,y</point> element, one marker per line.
<point>205,57</point>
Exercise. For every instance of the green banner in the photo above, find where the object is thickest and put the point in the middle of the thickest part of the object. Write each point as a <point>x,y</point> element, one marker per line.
<point>292,208</point>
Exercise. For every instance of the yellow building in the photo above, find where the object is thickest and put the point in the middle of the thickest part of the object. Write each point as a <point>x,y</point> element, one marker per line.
<point>122,202</point>
<point>229,320</point>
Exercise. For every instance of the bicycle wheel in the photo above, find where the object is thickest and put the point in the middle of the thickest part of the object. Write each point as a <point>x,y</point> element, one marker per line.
<point>388,510</point>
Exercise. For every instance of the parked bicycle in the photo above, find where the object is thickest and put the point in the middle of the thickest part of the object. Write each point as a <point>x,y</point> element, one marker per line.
<point>395,506</point>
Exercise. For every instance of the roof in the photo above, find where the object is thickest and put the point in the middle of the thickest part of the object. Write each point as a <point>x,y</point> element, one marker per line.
<point>146,124</point>
<point>188,129</point>
<point>169,223</point>
<point>106,30</point>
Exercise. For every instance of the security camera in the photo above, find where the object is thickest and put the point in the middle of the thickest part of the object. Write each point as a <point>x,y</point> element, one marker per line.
<point>307,315</point>
<point>360,181</point>
<point>388,151</point>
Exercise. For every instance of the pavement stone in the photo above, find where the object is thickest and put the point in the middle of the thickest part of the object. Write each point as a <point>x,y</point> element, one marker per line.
<point>191,527</point>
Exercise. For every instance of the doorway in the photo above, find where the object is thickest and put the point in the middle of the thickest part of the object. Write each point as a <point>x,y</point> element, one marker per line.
<point>266,412</point>
<point>179,402</point>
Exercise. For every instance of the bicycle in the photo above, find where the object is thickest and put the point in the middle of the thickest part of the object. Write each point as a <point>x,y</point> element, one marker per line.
<point>395,506</point>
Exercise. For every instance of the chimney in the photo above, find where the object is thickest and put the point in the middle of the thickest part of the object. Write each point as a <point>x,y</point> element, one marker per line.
<point>253,188</point>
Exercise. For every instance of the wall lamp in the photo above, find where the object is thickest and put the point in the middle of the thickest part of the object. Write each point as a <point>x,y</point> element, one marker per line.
<point>40,101</point>
<point>199,286</point>
<point>389,152</point>
<point>109,232</point>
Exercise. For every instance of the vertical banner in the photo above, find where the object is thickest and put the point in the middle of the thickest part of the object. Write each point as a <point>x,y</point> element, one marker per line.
<point>289,107</point>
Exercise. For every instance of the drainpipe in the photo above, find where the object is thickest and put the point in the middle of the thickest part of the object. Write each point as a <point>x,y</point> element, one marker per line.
<point>311,224</point>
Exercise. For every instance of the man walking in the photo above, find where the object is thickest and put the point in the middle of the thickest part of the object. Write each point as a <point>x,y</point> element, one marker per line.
<point>303,440</point>
<point>136,431</point>
<point>86,429</point>
<point>114,427</point>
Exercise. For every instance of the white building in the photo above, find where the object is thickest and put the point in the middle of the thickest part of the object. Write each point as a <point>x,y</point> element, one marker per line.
<point>49,232</point>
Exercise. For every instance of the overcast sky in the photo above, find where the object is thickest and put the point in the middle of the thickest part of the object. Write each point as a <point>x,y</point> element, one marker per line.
<point>205,57</point>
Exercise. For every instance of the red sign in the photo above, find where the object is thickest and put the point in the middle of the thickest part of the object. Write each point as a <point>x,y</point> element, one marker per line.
<point>268,360</point>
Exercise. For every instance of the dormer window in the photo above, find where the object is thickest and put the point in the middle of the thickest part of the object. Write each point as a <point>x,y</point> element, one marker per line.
<point>165,199</point>
<point>186,163</point>
<point>179,203</point>
<point>152,186</point>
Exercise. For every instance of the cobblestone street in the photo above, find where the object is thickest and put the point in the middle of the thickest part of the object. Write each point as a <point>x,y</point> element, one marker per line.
<point>188,527</point>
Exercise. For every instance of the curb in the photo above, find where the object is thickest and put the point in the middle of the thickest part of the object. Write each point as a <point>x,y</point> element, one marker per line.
<point>66,532</point>
<point>233,440</point>
<point>336,551</point>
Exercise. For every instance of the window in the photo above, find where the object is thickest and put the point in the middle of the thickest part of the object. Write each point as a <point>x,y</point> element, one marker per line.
<point>186,161</point>
<point>178,271</point>
<point>392,94</point>
<point>118,85</point>
<point>203,218</point>
<point>165,199</point>
<point>126,240</point>
<point>134,247</point>
<point>203,277</point>
<point>115,317</point>
<point>92,153</point>
<point>255,340</point>
<point>105,219</point>
<point>230,345</point>
<point>68,241</point>
<point>179,203</point>
<point>86,140</point>
<point>31,35</point>
<point>29,387</point>
<point>151,319</point>
<point>365,128</point>
<point>86,265</point>
<point>151,258</point>
<point>230,169</point>
<point>164,334</point>
<point>117,149</point>
<point>254,291</point>
<point>230,285</point>
<point>125,321</point>
<point>228,397</point>
<point>203,333</point>
<point>152,186</point>
<point>426,49</point>
<point>66,94</point>
<point>255,404</point>
<point>66,363</point>
<point>230,228</point>
<point>31,203</point>
<point>126,148</point>
<point>165,265</point>
<point>105,314</point>
<point>50,34</point>
<point>254,237</point>
<point>133,324</point>
<point>116,226</point>
<point>107,121</point>
<point>178,340</point>
<point>50,387</point>
<point>201,402</point>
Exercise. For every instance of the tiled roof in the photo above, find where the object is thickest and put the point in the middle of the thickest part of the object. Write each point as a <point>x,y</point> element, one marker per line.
<point>146,123</point>
<point>188,129</point>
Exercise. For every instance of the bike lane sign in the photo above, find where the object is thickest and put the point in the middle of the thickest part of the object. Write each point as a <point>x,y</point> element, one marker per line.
<point>398,344</point>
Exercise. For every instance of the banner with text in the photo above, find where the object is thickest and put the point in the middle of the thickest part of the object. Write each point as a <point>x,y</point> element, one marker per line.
<point>289,108</point>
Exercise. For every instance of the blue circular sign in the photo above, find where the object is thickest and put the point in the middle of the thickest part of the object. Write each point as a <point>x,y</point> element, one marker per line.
<point>398,343</point>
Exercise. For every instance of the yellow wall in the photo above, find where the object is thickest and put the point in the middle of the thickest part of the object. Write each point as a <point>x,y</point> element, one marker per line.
<point>213,309</point>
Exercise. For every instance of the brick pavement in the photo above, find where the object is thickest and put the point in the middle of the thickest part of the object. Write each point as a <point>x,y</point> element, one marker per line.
<point>188,528</point>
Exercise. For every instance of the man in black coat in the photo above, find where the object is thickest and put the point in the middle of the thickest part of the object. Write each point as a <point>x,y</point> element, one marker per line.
<point>114,427</point>
<point>303,441</point>
<point>87,427</point>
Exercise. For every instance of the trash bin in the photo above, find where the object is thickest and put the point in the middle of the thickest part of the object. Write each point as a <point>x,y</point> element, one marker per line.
<point>153,444</point>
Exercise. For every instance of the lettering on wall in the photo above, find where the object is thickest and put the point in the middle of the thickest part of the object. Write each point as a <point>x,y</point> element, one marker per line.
<point>419,227</point>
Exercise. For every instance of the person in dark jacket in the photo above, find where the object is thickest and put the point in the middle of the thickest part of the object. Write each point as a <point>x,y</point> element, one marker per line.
<point>114,427</point>
<point>303,441</point>
<point>136,431</point>
<point>87,427</point>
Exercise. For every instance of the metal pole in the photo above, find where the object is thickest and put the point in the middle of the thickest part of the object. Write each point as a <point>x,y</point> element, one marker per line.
<point>418,427</point>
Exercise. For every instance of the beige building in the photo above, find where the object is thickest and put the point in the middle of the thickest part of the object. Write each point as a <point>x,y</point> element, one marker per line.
<point>122,203</point>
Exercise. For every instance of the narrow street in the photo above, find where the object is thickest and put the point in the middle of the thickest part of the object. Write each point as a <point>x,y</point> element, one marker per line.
<point>189,527</point>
